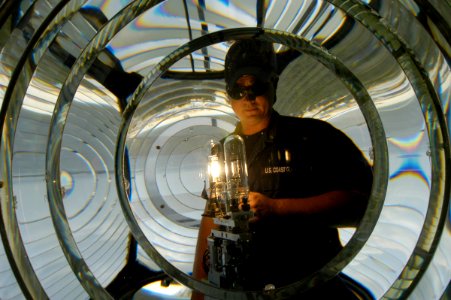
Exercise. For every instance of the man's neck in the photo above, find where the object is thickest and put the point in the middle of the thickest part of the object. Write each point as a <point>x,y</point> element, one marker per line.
<point>254,126</point>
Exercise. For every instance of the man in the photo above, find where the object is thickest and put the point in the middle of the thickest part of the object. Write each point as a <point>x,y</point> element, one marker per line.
<point>306,178</point>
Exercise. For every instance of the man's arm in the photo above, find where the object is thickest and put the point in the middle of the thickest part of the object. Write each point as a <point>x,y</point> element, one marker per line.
<point>199,271</point>
<point>201,254</point>
<point>335,208</point>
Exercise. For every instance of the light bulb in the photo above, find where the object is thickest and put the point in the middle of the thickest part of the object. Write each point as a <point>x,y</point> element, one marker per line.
<point>236,170</point>
<point>215,162</point>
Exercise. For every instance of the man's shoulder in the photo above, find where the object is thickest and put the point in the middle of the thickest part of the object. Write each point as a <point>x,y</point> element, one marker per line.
<point>300,124</point>
<point>300,120</point>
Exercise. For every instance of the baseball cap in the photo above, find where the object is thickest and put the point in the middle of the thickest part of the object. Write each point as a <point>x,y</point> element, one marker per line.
<point>249,57</point>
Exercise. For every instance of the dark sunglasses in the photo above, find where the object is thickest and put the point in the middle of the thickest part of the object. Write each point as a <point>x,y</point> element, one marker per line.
<point>258,88</point>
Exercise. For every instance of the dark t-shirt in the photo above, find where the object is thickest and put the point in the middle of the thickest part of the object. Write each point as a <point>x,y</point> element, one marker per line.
<point>297,158</point>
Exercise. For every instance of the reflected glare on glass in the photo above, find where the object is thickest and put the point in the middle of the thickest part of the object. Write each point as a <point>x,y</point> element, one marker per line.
<point>39,43</point>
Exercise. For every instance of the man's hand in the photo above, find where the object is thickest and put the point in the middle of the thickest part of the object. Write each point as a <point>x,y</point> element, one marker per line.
<point>262,206</point>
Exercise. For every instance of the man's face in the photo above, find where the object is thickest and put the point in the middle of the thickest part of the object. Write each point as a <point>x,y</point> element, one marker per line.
<point>251,106</point>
